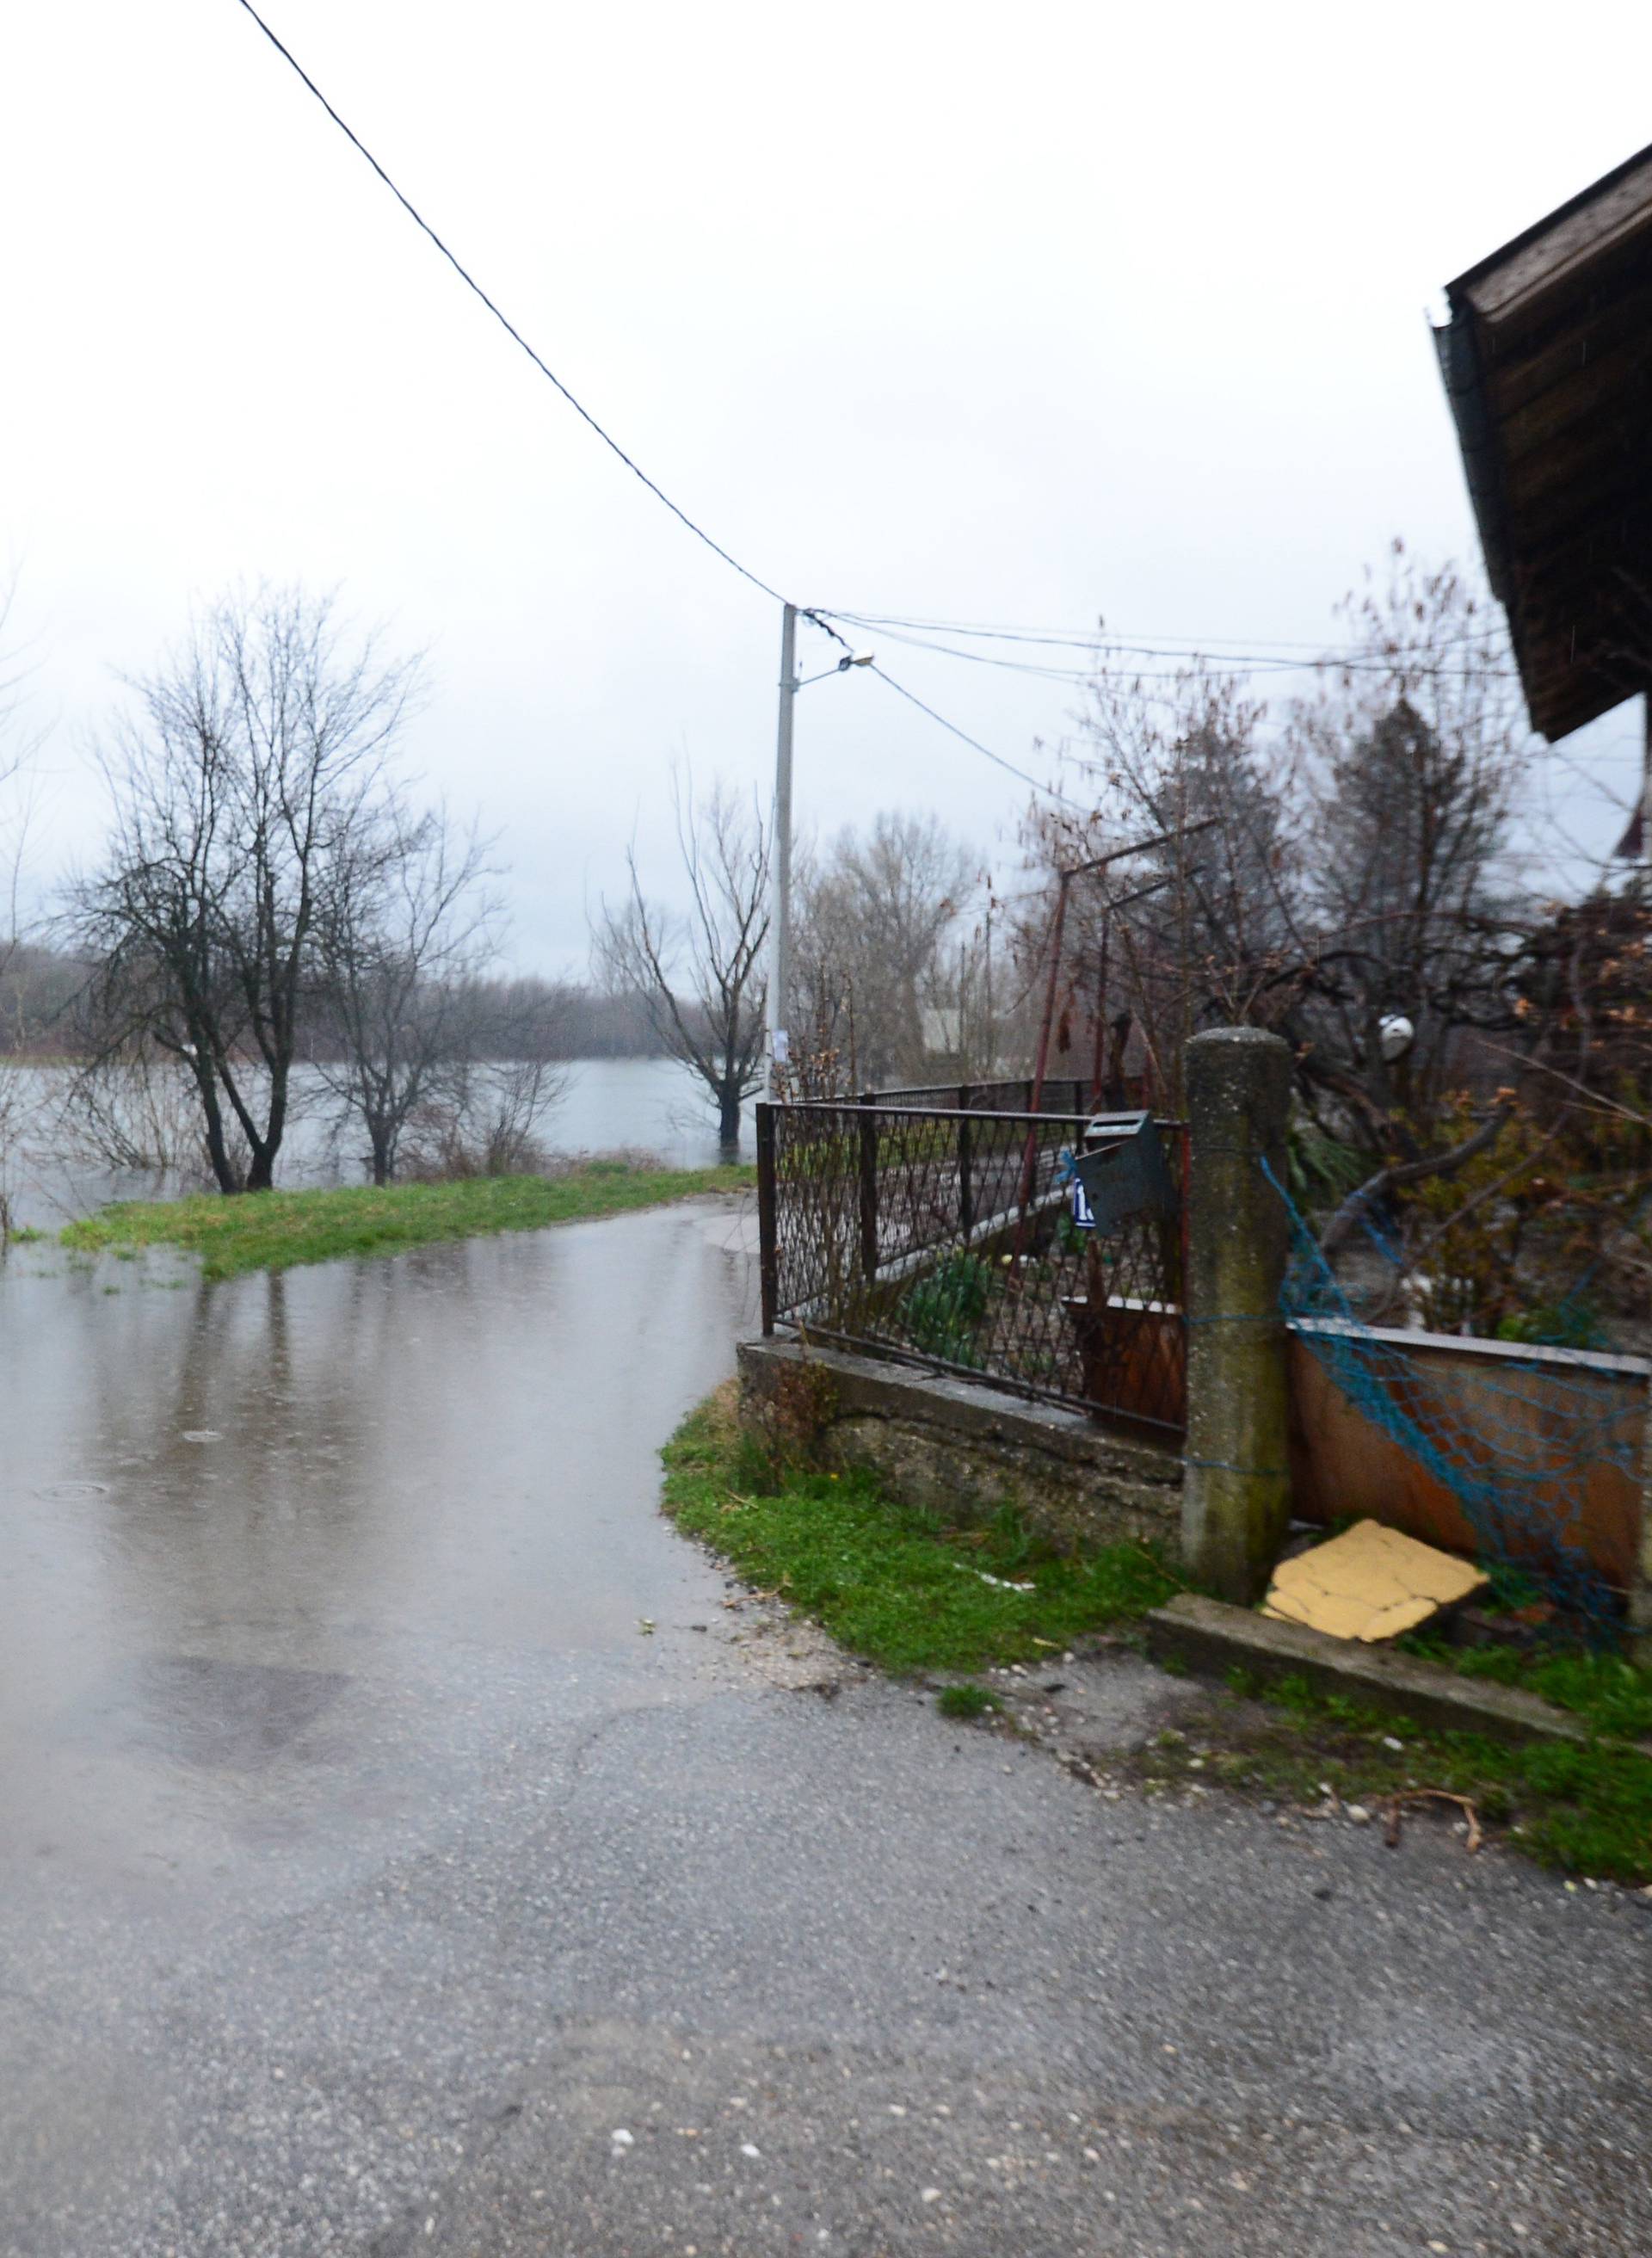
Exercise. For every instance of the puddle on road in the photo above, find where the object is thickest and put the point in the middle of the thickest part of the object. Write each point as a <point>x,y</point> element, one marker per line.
<point>196,1711</point>
<point>221,1503</point>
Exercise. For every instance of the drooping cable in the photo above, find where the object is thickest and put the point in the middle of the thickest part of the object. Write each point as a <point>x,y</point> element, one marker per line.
<point>986,751</point>
<point>504,321</point>
<point>820,617</point>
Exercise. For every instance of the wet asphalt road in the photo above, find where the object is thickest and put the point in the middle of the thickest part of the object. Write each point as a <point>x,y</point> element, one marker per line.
<point>366,1870</point>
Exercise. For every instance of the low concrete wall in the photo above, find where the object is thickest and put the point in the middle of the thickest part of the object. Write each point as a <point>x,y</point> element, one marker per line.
<point>962,1451</point>
<point>1204,1636</point>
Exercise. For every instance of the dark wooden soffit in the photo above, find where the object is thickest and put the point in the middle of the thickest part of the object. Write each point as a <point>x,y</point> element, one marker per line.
<point>1547,357</point>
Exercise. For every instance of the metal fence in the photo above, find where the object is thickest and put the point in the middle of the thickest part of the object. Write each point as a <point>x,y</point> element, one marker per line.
<point>1058,1096</point>
<point>944,1235</point>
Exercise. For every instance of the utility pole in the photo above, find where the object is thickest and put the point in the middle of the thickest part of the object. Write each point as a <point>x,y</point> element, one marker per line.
<point>780,919</point>
<point>992,1024</point>
<point>780,923</point>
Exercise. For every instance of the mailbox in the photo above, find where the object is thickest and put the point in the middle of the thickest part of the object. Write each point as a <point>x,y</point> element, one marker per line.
<point>1123,1172</point>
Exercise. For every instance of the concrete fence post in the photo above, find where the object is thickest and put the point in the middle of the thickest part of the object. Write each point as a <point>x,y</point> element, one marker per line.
<point>1236,1500</point>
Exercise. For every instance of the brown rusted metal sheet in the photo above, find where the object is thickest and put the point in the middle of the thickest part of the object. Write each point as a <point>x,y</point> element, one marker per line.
<point>1342,1465</point>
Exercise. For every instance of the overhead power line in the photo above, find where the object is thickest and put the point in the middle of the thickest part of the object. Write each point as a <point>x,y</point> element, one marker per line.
<point>998,759</point>
<point>821,620</point>
<point>505,322</point>
<point>1166,645</point>
<point>1228,662</point>
<point>913,632</point>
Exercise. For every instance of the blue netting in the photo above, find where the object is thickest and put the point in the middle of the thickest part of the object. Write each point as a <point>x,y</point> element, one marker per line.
<point>1521,1481</point>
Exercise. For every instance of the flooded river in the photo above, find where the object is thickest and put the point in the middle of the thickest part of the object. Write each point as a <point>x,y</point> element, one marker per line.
<point>649,1105</point>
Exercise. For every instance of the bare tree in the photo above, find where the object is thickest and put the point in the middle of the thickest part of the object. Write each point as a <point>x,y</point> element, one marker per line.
<point>486,1122</point>
<point>1413,758</point>
<point>1201,927</point>
<point>1350,871</point>
<point>242,786</point>
<point>699,973</point>
<point>1357,873</point>
<point>401,940</point>
<point>873,912</point>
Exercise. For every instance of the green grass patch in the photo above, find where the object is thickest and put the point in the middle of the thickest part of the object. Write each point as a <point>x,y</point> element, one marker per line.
<point>898,1585</point>
<point>1584,1810</point>
<point>272,1231</point>
<point>1611,1695</point>
<point>888,1580</point>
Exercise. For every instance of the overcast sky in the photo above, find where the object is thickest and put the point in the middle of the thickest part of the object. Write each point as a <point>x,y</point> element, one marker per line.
<point>965,312</point>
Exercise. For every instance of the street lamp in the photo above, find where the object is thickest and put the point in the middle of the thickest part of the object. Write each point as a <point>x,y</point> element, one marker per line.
<point>780,923</point>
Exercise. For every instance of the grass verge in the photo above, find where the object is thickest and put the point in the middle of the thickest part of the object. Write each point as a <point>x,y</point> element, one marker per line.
<point>895,1585</point>
<point>1585,1810</point>
<point>1611,1695</point>
<point>887,1581</point>
<point>272,1231</point>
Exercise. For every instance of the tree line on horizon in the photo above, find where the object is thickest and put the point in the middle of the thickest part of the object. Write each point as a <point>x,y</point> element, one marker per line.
<point>46,1016</point>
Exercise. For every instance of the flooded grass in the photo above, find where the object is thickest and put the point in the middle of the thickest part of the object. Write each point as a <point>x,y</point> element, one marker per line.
<point>887,1579</point>
<point>272,1231</point>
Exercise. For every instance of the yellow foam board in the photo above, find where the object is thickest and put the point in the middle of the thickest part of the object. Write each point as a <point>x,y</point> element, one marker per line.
<point>1370,1583</point>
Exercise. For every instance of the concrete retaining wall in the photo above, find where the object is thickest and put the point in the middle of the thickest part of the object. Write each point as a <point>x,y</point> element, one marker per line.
<point>962,1451</point>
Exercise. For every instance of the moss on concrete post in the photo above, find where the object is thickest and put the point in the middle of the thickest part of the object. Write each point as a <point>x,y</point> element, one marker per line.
<point>1236,1503</point>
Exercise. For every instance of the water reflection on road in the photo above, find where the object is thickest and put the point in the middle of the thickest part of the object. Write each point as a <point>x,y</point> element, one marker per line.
<point>374,1879</point>
<point>230,1509</point>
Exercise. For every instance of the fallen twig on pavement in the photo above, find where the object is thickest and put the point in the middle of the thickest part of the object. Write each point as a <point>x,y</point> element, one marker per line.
<point>1396,1807</point>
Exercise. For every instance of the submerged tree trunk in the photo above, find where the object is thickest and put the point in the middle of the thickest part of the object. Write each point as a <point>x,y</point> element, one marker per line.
<point>223,1168</point>
<point>260,1177</point>
<point>729,1116</point>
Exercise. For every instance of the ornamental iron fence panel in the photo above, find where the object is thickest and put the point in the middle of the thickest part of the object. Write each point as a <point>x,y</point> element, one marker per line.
<point>950,1237</point>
